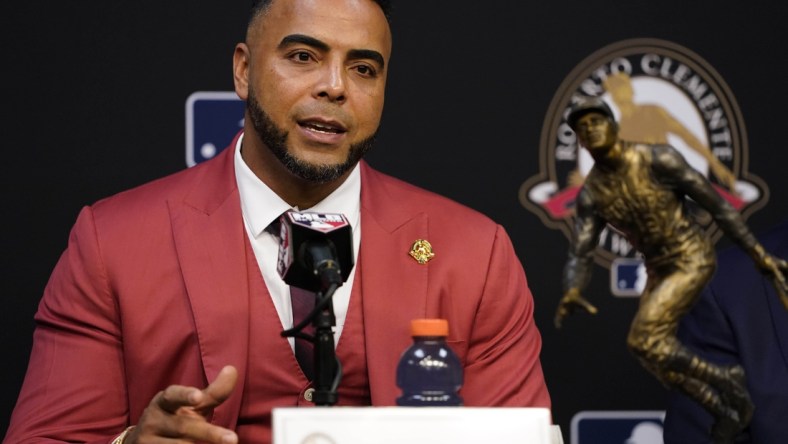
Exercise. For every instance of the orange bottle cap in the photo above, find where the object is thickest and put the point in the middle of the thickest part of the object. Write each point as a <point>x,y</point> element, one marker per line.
<point>429,327</point>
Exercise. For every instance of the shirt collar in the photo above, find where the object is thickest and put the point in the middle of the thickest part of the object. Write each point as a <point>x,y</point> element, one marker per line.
<point>260,205</point>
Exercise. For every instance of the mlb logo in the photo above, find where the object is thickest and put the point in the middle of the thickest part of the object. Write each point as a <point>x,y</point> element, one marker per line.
<point>325,223</point>
<point>627,277</point>
<point>617,427</point>
<point>213,118</point>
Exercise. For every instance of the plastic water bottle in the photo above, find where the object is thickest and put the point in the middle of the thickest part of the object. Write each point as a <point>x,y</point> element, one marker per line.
<point>429,373</point>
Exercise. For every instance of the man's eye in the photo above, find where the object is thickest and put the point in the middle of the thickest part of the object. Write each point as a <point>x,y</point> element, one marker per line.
<point>365,70</point>
<point>301,56</point>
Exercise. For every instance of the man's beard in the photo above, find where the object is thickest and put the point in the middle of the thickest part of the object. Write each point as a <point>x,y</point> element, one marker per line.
<point>276,140</point>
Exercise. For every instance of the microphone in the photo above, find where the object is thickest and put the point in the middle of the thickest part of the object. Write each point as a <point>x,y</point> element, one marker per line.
<point>315,250</point>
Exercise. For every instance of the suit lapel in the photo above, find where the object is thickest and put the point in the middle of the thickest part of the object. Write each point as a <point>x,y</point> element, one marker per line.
<point>394,285</point>
<point>209,238</point>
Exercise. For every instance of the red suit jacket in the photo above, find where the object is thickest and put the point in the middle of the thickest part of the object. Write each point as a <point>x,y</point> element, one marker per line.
<point>152,291</point>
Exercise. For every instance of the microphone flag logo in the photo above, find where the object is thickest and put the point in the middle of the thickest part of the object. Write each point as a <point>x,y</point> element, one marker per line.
<point>324,222</point>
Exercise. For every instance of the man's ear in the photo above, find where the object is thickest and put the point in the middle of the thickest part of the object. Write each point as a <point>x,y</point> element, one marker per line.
<point>241,61</point>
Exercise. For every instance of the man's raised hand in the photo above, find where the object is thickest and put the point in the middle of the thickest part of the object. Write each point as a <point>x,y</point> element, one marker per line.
<point>180,413</point>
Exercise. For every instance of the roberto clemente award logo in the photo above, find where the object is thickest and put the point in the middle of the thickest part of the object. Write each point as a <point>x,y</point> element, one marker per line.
<point>660,92</point>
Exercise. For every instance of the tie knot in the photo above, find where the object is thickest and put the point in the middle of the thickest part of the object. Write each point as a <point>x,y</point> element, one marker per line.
<point>274,227</point>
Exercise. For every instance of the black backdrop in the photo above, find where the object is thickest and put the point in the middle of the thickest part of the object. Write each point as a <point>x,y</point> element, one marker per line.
<point>93,103</point>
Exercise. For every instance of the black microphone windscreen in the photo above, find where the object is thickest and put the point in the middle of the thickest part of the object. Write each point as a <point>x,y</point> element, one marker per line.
<point>301,231</point>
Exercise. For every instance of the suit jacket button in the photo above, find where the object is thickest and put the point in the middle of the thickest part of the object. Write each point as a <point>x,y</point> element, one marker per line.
<point>308,393</point>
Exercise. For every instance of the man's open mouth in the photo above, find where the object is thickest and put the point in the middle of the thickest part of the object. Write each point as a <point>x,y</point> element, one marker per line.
<point>323,127</point>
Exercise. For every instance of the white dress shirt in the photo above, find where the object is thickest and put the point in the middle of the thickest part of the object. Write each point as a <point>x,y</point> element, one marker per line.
<point>260,206</point>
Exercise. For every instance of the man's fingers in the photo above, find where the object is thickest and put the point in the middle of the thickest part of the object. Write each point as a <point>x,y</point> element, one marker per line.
<point>176,396</point>
<point>179,413</point>
<point>182,427</point>
<point>219,389</point>
<point>196,429</point>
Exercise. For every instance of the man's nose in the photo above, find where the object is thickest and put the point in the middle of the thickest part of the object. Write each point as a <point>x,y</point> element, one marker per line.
<point>332,84</point>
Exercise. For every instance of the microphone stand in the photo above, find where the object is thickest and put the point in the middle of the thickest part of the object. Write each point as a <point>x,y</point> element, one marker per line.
<point>328,370</point>
<point>309,259</point>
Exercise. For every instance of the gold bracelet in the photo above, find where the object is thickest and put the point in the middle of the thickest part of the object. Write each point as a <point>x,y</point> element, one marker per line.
<point>122,436</point>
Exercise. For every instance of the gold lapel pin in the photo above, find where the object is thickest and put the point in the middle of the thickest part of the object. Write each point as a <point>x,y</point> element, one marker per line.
<point>421,250</point>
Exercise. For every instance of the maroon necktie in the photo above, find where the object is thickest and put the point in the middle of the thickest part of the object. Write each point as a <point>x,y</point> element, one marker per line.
<point>303,302</point>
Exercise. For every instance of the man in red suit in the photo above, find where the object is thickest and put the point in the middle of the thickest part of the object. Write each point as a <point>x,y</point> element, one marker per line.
<point>162,317</point>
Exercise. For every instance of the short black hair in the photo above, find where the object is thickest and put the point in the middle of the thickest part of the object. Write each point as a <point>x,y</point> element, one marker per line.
<point>259,7</point>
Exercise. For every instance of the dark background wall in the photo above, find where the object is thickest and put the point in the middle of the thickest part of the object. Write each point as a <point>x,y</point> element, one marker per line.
<point>93,103</point>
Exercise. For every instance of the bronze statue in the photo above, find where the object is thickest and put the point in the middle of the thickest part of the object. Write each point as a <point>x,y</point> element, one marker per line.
<point>640,189</point>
